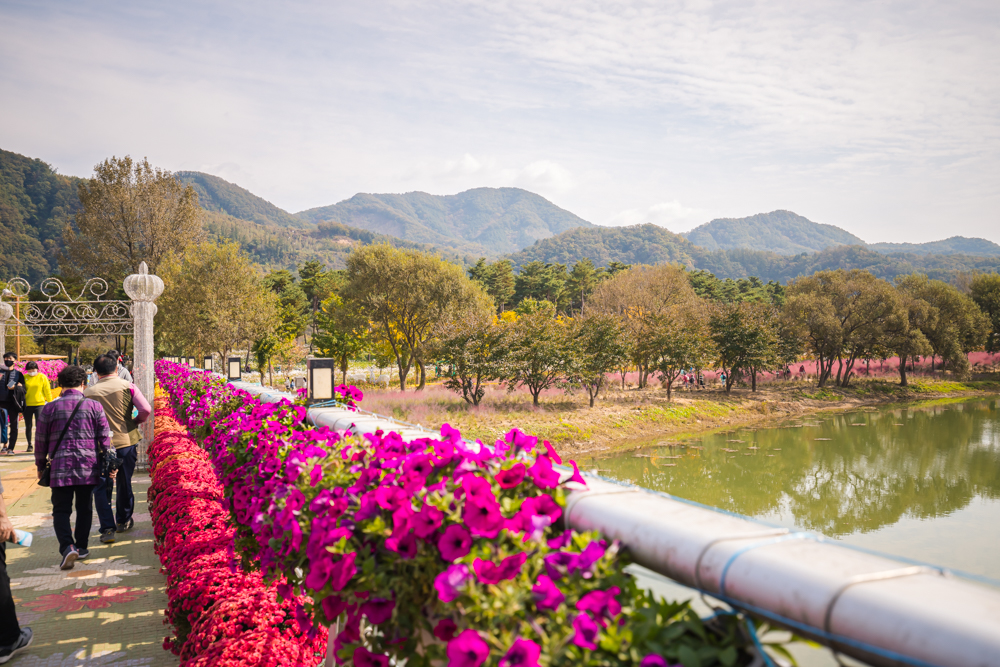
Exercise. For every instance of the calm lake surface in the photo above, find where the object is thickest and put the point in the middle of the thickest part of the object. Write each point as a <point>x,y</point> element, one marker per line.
<point>921,482</point>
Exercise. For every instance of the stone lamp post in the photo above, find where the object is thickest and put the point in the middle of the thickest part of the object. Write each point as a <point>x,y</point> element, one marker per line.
<point>143,288</point>
<point>6,312</point>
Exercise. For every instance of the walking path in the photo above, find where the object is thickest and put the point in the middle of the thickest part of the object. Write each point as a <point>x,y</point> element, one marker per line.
<point>107,610</point>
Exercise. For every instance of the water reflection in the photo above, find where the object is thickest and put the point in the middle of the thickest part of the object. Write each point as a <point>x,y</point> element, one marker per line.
<point>843,474</point>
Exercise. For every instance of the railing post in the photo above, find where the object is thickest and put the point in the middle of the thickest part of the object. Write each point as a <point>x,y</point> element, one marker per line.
<point>144,288</point>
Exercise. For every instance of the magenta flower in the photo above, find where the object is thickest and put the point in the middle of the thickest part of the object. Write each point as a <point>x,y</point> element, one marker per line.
<point>522,653</point>
<point>543,474</point>
<point>577,477</point>
<point>467,650</point>
<point>561,541</point>
<point>653,660</point>
<point>601,603</point>
<point>592,553</point>
<point>557,565</point>
<point>427,520</point>
<point>508,479</point>
<point>551,452</point>
<point>542,505</point>
<point>484,519</point>
<point>585,632</point>
<point>333,606</point>
<point>445,629</point>
<point>547,594</point>
<point>342,571</point>
<point>365,658</point>
<point>448,582</point>
<point>489,572</point>
<point>405,546</point>
<point>378,610</point>
<point>315,475</point>
<point>455,543</point>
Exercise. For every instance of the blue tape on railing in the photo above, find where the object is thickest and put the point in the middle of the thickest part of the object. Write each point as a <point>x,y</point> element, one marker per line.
<point>755,545</point>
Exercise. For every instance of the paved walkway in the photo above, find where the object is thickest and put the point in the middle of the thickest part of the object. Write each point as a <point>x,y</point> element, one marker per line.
<point>107,610</point>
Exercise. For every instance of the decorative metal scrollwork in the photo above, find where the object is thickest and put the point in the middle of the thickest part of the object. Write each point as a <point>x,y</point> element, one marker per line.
<point>63,315</point>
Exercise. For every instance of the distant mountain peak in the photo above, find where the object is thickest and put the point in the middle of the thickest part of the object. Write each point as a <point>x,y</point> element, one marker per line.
<point>484,221</point>
<point>782,232</point>
<point>219,195</point>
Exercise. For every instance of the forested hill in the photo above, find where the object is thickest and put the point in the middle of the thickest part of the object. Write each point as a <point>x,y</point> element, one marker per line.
<point>950,246</point>
<point>216,194</point>
<point>36,204</point>
<point>650,244</point>
<point>487,221</point>
<point>782,232</point>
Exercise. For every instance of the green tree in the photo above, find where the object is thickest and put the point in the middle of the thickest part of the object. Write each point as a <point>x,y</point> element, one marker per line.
<point>214,300</point>
<point>474,345</point>
<point>745,336</point>
<point>497,279</point>
<point>583,279</point>
<point>405,293</point>
<point>680,340</point>
<point>598,348</point>
<point>292,300</point>
<point>909,341</point>
<point>539,352</point>
<point>960,326</point>
<point>542,281</point>
<point>985,292</point>
<point>130,213</point>
<point>318,284</point>
<point>341,333</point>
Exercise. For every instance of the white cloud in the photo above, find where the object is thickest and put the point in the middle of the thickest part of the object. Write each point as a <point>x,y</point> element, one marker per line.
<point>671,214</point>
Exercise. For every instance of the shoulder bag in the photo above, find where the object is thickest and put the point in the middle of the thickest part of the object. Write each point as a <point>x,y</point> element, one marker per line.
<point>46,477</point>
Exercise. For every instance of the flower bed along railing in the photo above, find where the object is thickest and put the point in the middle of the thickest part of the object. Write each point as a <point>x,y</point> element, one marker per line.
<point>436,551</point>
<point>222,616</point>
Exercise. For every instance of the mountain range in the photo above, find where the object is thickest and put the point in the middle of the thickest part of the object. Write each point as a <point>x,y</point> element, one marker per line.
<point>36,204</point>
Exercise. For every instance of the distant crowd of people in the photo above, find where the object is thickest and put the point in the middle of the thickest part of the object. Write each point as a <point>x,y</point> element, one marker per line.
<point>85,447</point>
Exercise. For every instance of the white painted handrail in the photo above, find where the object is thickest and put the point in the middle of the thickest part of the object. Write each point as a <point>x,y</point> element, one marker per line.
<point>868,606</point>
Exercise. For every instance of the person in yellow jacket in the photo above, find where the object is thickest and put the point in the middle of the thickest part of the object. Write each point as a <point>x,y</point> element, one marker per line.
<point>37,392</point>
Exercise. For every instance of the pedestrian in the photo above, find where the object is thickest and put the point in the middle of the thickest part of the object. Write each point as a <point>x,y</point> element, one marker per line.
<point>3,430</point>
<point>120,369</point>
<point>13,638</point>
<point>120,398</point>
<point>38,392</point>
<point>11,397</point>
<point>71,431</point>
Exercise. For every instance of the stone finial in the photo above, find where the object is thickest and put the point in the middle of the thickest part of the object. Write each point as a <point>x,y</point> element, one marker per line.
<point>143,286</point>
<point>6,312</point>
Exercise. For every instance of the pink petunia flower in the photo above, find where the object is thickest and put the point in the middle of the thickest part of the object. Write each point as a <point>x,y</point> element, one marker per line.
<point>427,520</point>
<point>548,597</point>
<point>653,660</point>
<point>445,629</point>
<point>601,603</point>
<point>484,519</point>
<point>378,610</point>
<point>455,543</point>
<point>450,581</point>
<point>585,632</point>
<point>543,474</point>
<point>467,650</point>
<point>365,658</point>
<point>489,572</point>
<point>522,653</point>
<point>508,479</point>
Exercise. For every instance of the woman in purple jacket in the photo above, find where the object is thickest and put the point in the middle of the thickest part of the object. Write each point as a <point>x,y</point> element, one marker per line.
<point>70,431</point>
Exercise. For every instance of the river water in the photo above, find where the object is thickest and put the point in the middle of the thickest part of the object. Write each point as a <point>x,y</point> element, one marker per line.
<point>922,482</point>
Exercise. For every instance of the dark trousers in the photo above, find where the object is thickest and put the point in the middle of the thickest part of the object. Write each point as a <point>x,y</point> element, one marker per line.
<point>9,629</point>
<point>125,502</point>
<point>29,414</point>
<point>11,427</point>
<point>62,507</point>
<point>102,503</point>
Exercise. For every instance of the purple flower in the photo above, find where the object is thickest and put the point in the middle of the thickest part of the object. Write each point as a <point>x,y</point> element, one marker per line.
<point>467,650</point>
<point>427,520</point>
<point>454,543</point>
<point>508,479</point>
<point>448,582</point>
<point>405,546</point>
<point>585,632</point>
<point>315,475</point>
<point>445,629</point>
<point>557,565</point>
<point>547,594</point>
<point>592,553</point>
<point>378,610</point>
<point>489,572</point>
<point>333,606</point>
<point>365,658</point>
<point>551,452</point>
<point>577,477</point>
<point>522,653</point>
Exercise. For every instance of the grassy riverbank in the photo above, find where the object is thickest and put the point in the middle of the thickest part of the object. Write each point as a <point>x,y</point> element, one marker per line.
<point>628,418</point>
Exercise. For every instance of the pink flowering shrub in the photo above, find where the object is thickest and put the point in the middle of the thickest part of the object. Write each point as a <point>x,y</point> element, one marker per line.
<point>437,551</point>
<point>221,614</point>
<point>48,367</point>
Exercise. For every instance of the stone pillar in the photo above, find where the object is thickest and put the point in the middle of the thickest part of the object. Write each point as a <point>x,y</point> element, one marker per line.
<point>144,288</point>
<point>6,312</point>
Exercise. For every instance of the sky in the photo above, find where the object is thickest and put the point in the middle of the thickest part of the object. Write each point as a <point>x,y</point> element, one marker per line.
<point>882,118</point>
